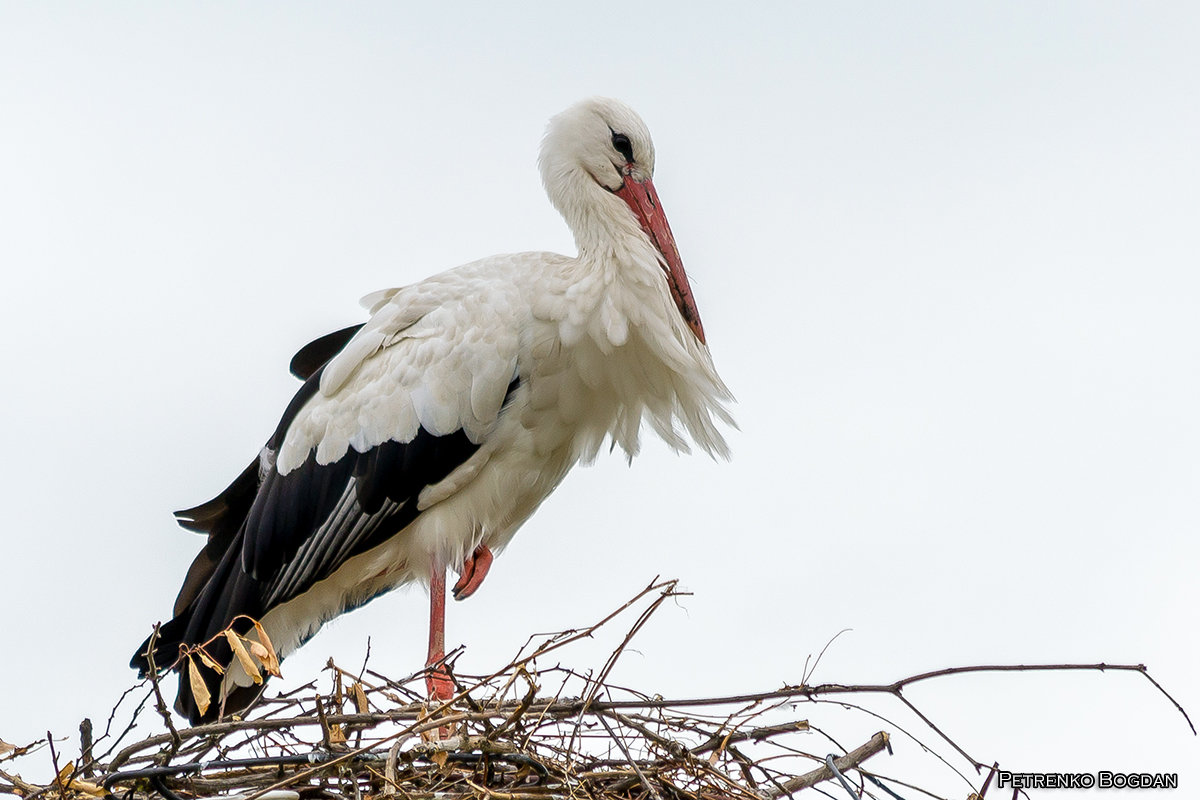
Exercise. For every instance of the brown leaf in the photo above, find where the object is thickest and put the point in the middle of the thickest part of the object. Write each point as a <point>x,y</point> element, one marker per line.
<point>208,661</point>
<point>199,688</point>
<point>87,787</point>
<point>360,698</point>
<point>66,772</point>
<point>8,751</point>
<point>243,657</point>
<point>336,735</point>
<point>271,665</point>
<point>439,757</point>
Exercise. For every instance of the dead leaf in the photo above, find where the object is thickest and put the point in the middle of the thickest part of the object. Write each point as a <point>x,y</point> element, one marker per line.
<point>209,662</point>
<point>259,650</point>
<point>439,757</point>
<point>336,735</point>
<point>271,665</point>
<point>360,698</point>
<point>716,754</point>
<point>199,688</point>
<point>66,772</point>
<point>87,787</point>
<point>8,751</point>
<point>243,657</point>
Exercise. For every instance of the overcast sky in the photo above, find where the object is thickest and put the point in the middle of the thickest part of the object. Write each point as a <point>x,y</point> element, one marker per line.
<point>946,257</point>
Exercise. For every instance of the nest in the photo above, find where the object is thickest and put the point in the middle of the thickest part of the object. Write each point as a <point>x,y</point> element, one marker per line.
<point>524,732</point>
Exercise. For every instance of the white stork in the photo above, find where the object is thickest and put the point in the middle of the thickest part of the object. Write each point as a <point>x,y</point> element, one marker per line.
<point>424,438</point>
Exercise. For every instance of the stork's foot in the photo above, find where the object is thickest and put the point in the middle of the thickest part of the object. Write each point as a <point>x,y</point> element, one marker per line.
<point>439,685</point>
<point>474,570</point>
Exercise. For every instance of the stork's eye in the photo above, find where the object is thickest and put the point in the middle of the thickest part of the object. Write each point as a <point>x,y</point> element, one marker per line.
<point>623,146</point>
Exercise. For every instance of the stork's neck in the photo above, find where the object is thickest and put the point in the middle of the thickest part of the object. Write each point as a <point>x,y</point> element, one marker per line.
<point>606,232</point>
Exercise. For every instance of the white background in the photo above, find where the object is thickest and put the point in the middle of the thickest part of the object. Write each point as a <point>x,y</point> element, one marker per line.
<point>946,256</point>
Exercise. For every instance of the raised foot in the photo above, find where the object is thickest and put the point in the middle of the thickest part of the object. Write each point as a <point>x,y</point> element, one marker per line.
<point>474,570</point>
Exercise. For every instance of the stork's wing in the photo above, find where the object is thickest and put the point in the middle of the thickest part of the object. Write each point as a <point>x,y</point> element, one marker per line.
<point>415,394</point>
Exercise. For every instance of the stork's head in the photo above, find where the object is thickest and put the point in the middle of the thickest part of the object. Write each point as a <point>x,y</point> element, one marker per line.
<point>595,152</point>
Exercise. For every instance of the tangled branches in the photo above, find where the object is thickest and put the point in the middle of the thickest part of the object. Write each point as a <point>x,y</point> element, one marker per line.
<point>525,732</point>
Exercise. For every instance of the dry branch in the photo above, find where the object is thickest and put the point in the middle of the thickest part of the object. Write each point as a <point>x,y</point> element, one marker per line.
<point>875,744</point>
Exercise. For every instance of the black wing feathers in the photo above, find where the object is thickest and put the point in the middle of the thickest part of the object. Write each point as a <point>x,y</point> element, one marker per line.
<point>317,353</point>
<point>369,471</point>
<point>225,511</point>
<point>221,518</point>
<point>287,511</point>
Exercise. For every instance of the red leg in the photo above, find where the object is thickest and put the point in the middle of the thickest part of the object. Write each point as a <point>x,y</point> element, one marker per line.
<point>438,683</point>
<point>474,570</point>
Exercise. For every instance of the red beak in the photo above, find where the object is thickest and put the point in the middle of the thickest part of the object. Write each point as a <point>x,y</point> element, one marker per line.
<point>641,197</point>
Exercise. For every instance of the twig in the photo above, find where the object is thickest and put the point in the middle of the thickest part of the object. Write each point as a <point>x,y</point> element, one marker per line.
<point>643,618</point>
<point>667,590</point>
<point>906,732</point>
<point>323,721</point>
<point>515,717</point>
<point>808,673</point>
<point>58,779</point>
<point>85,748</point>
<point>633,763</point>
<point>849,761</point>
<point>561,640</point>
<point>160,704</point>
<point>756,735</point>
<point>1139,668</point>
<point>19,785</point>
<point>133,719</point>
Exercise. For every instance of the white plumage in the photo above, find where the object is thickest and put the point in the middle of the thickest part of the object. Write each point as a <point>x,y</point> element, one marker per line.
<point>439,426</point>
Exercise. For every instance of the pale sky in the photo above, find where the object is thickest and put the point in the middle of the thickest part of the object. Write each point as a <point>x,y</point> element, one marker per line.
<point>946,257</point>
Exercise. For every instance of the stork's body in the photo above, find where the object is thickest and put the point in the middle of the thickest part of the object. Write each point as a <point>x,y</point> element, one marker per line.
<point>425,438</point>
